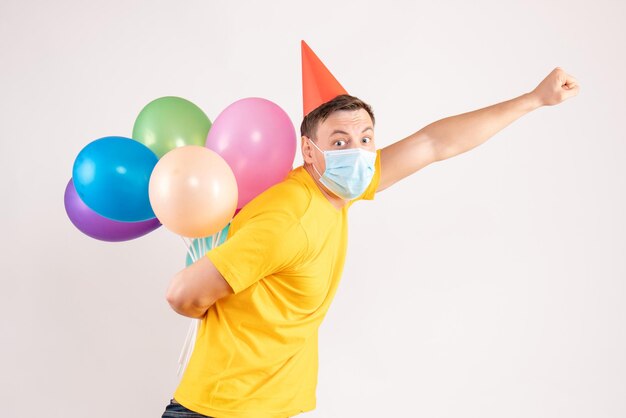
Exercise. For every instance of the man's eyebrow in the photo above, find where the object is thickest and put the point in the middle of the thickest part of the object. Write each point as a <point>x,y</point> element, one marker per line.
<point>338,131</point>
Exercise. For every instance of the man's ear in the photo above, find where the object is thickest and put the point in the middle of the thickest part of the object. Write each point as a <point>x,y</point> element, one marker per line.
<point>307,150</point>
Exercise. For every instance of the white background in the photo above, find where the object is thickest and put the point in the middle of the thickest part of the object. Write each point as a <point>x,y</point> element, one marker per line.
<point>491,284</point>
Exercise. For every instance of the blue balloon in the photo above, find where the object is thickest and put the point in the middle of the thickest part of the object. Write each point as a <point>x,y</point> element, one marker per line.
<point>111,175</point>
<point>198,247</point>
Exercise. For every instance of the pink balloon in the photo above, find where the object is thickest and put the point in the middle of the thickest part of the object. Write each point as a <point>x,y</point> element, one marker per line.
<point>258,141</point>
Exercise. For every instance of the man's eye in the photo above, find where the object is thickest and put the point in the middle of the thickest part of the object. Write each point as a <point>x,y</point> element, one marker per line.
<point>366,139</point>
<point>340,142</point>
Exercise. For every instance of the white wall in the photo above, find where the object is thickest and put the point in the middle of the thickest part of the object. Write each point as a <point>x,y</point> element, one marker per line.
<point>487,285</point>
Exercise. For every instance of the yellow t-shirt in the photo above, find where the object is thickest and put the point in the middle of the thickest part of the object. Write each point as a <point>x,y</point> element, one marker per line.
<point>256,352</point>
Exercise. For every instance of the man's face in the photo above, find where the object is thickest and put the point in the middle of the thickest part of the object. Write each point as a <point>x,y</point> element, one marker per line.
<point>343,129</point>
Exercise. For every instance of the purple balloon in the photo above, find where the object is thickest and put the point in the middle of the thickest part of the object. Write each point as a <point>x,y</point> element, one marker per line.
<point>258,141</point>
<point>97,226</point>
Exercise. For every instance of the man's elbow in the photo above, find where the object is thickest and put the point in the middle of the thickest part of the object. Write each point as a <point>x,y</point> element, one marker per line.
<point>186,308</point>
<point>182,304</point>
<point>196,288</point>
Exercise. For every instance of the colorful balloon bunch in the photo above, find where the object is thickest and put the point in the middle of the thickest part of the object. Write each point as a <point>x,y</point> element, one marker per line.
<point>180,170</point>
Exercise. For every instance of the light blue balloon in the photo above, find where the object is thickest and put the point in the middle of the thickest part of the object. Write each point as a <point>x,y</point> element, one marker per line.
<point>111,175</point>
<point>208,244</point>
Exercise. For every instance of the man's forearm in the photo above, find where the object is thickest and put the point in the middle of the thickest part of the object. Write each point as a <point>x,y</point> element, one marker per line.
<point>460,133</point>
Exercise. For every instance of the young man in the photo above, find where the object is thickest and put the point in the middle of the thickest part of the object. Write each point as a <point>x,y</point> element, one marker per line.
<point>263,294</point>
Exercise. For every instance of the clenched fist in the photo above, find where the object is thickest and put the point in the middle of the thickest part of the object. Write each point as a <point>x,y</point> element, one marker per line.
<point>555,88</point>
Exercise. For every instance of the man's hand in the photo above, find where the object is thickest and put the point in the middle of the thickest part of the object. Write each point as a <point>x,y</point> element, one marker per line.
<point>555,88</point>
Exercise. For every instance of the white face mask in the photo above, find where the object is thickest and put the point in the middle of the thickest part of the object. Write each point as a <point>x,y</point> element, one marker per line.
<point>348,171</point>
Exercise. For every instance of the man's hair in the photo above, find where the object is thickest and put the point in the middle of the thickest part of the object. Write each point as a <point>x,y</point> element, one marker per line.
<point>321,113</point>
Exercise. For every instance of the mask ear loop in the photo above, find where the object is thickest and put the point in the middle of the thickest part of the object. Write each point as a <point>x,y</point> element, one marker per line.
<point>315,168</point>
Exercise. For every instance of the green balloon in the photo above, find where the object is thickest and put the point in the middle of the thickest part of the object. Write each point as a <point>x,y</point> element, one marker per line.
<point>170,122</point>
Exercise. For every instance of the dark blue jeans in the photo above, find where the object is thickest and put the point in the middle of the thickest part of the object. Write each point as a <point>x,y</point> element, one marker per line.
<point>176,410</point>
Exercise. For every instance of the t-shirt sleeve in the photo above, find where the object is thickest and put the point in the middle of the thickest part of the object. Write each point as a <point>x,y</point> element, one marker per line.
<point>369,193</point>
<point>266,244</point>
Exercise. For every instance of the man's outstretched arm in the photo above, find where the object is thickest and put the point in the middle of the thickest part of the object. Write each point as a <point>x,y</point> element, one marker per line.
<point>457,134</point>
